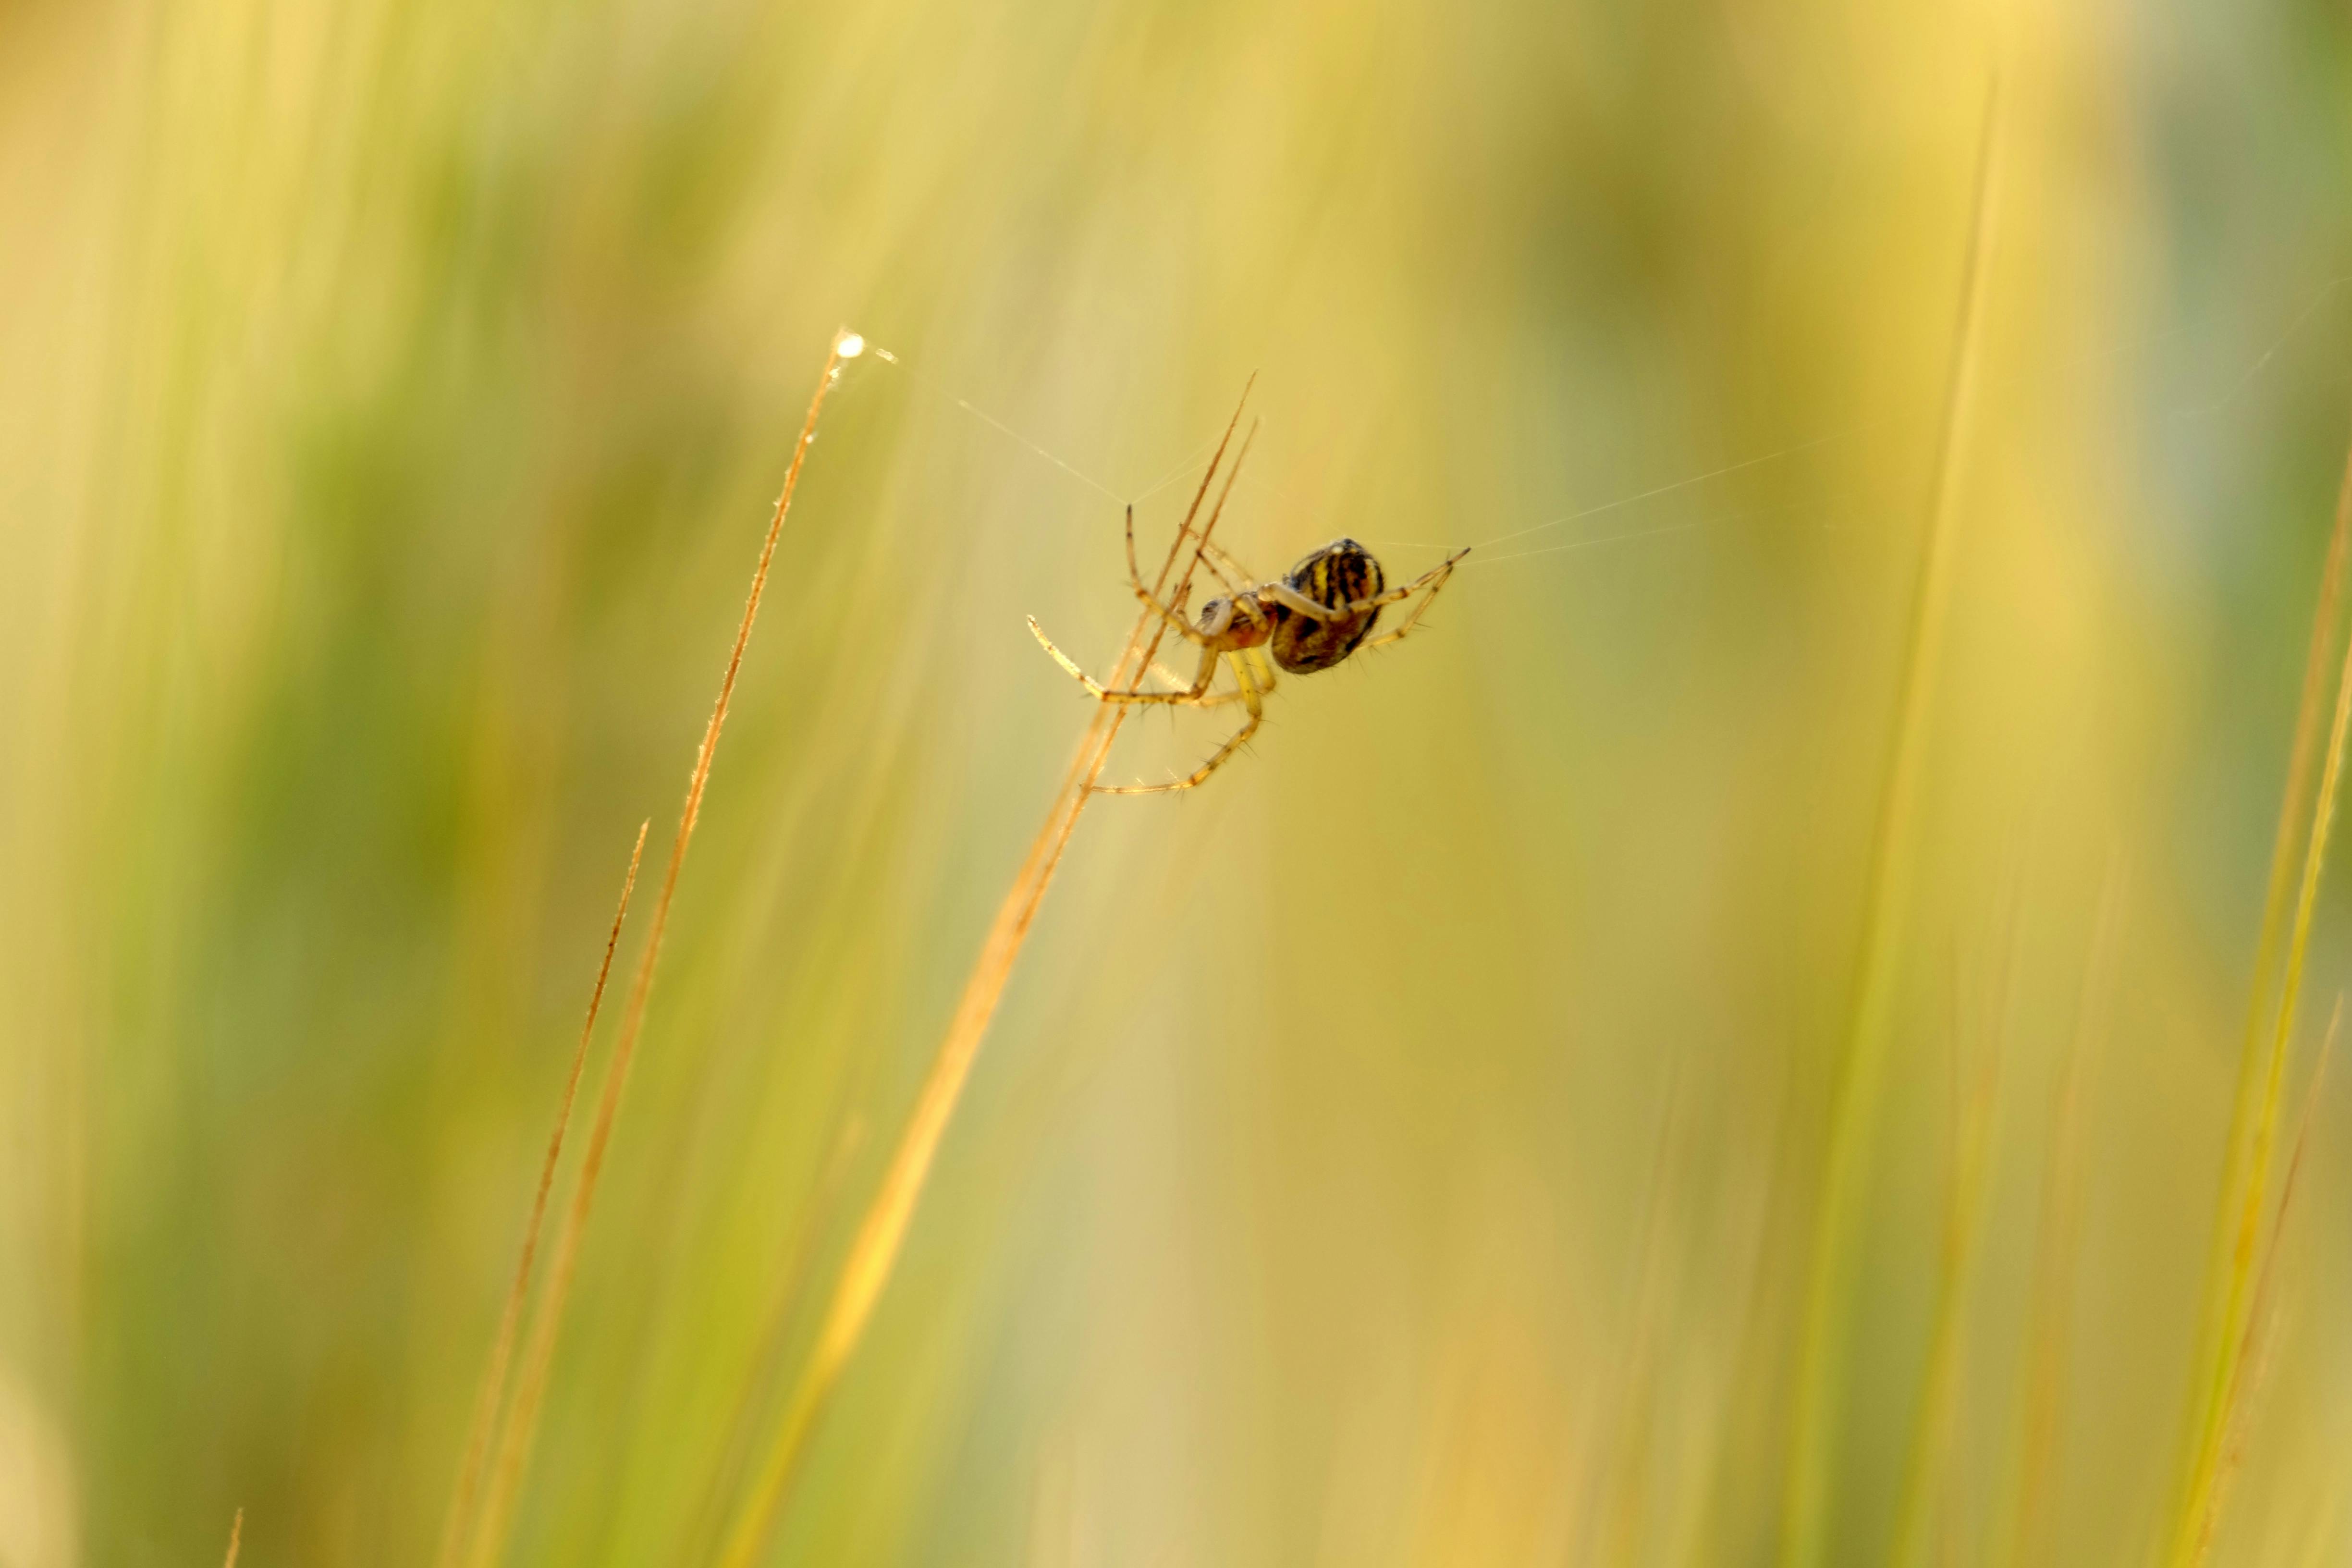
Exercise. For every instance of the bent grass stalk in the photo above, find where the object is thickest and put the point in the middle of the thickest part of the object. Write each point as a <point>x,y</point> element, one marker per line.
<point>2254,1348</point>
<point>874,1250</point>
<point>2294,806</point>
<point>1854,1107</point>
<point>2214,1396</point>
<point>492,1397</point>
<point>515,1445</point>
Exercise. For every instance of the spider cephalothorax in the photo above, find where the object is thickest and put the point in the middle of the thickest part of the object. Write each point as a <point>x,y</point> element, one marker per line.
<point>1311,619</point>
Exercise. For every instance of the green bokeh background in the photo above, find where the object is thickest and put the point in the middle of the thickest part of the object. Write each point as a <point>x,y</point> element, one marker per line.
<point>1403,1151</point>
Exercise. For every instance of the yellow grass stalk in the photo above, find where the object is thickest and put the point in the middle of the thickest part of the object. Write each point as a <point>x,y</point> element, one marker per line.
<point>1828,1329</point>
<point>538,1351</point>
<point>874,1252</point>
<point>2056,1241</point>
<point>2217,1378</point>
<point>2215,1328</point>
<point>492,1396</point>
<point>2254,1348</point>
<point>235,1535</point>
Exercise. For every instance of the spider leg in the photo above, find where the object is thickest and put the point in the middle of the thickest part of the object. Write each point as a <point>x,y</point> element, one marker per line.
<point>1220,564</point>
<point>1190,698</point>
<point>1262,677</point>
<point>1285,594</point>
<point>1249,694</point>
<point>1433,579</point>
<point>1135,576</point>
<point>1216,560</point>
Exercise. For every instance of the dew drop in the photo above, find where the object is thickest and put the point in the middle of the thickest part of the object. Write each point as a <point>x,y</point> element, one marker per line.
<point>850,346</point>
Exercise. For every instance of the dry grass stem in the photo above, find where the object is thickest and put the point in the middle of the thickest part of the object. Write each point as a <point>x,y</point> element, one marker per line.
<point>1854,1109</point>
<point>492,1397</point>
<point>2215,1328</point>
<point>2254,1347</point>
<point>2213,1400</point>
<point>236,1538</point>
<point>874,1252</point>
<point>521,1427</point>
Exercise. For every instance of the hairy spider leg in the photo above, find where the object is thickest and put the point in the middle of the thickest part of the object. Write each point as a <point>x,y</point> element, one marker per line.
<point>1298,602</point>
<point>1433,579</point>
<point>1236,593</point>
<point>1261,675</point>
<point>1249,695</point>
<point>1220,562</point>
<point>1196,696</point>
<point>1214,699</point>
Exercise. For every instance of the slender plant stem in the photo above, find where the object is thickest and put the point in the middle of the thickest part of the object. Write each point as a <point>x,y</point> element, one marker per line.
<point>2213,1337</point>
<point>2214,1397</point>
<point>1827,1334</point>
<point>491,1399</point>
<point>2254,1346</point>
<point>236,1537</point>
<point>874,1252</point>
<point>539,1350</point>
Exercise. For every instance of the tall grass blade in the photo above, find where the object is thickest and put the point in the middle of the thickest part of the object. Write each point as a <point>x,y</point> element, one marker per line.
<point>2254,1348</point>
<point>492,1397</point>
<point>236,1537</point>
<point>538,1352</point>
<point>1827,1329</point>
<point>874,1252</point>
<point>2213,1337</point>
<point>2212,1396</point>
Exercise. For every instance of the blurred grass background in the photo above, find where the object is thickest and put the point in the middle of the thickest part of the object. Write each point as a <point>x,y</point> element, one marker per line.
<point>1404,1151</point>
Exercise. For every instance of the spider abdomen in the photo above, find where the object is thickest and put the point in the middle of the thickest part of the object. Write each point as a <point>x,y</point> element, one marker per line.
<point>1340,573</point>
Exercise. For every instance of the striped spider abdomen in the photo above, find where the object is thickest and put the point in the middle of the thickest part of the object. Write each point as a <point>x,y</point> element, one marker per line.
<point>1342,573</point>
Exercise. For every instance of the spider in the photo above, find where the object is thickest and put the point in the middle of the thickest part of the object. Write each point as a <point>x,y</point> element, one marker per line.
<point>1318,614</point>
